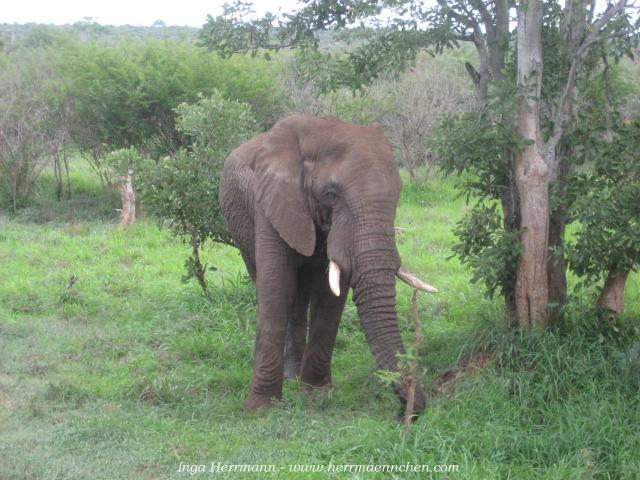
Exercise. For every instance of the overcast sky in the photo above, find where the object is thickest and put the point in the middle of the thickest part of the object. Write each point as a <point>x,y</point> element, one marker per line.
<point>121,12</point>
<point>133,12</point>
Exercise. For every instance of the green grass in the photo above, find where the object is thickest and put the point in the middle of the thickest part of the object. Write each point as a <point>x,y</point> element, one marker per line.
<point>130,372</point>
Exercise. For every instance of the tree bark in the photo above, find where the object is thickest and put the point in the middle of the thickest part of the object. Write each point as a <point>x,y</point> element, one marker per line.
<point>128,214</point>
<point>612,295</point>
<point>557,269</point>
<point>498,46</point>
<point>556,264</point>
<point>532,175</point>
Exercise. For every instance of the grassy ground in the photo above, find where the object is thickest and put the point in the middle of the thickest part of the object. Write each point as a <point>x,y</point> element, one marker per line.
<point>130,373</point>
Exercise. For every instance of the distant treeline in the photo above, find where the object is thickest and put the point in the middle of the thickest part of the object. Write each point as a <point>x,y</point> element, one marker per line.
<point>14,35</point>
<point>95,89</point>
<point>61,93</point>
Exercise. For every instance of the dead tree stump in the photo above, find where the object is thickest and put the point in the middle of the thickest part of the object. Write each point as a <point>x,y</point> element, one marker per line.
<point>128,213</point>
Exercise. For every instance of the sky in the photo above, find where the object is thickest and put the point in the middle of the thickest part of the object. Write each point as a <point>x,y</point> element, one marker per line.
<point>123,12</point>
<point>131,12</point>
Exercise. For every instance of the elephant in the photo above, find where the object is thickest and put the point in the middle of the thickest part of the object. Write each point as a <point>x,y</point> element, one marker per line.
<point>311,205</point>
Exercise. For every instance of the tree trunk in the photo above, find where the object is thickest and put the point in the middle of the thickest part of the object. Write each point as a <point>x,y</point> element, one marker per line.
<point>556,264</point>
<point>508,288</point>
<point>511,223</point>
<point>199,271</point>
<point>57,172</point>
<point>128,216</point>
<point>532,175</point>
<point>557,269</point>
<point>499,45</point>
<point>61,172</point>
<point>612,295</point>
<point>492,47</point>
<point>65,160</point>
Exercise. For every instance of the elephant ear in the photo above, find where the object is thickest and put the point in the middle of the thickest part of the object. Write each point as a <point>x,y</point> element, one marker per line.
<point>278,185</point>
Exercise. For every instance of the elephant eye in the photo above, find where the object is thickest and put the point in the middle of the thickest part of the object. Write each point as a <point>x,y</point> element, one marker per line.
<point>331,197</point>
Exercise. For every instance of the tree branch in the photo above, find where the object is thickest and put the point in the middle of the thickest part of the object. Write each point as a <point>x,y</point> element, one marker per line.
<point>487,18</point>
<point>596,32</point>
<point>473,73</point>
<point>466,20</point>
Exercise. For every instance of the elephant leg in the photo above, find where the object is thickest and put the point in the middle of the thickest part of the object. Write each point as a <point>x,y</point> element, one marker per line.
<point>326,311</point>
<point>296,339</point>
<point>276,283</point>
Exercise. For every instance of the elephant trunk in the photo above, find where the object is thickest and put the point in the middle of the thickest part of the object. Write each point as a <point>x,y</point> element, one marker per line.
<point>373,280</point>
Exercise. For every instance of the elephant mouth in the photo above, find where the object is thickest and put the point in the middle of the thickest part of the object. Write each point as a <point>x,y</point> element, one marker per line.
<point>402,273</point>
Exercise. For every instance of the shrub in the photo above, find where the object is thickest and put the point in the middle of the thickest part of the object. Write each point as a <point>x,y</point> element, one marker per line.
<point>126,94</point>
<point>27,135</point>
<point>181,190</point>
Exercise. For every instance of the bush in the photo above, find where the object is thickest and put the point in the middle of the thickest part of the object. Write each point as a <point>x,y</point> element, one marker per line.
<point>126,94</point>
<point>181,190</point>
<point>27,133</point>
<point>608,238</point>
<point>119,162</point>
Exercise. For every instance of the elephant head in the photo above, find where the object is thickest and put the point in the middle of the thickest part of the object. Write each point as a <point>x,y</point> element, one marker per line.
<point>329,186</point>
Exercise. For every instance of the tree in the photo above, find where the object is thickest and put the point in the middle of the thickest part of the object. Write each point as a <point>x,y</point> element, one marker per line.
<point>569,36</point>
<point>607,244</point>
<point>61,116</point>
<point>480,146</point>
<point>542,163</point>
<point>181,190</point>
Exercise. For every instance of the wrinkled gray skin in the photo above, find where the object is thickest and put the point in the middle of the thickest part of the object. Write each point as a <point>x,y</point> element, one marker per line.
<point>310,190</point>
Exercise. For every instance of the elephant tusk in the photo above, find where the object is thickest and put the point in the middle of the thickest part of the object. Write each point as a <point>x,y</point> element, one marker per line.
<point>413,281</point>
<point>334,278</point>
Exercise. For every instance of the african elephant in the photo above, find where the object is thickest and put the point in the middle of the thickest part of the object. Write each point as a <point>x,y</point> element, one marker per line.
<point>311,205</point>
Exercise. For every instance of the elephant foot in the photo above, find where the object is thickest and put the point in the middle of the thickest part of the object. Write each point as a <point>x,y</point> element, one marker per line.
<point>315,377</point>
<point>253,403</point>
<point>312,390</point>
